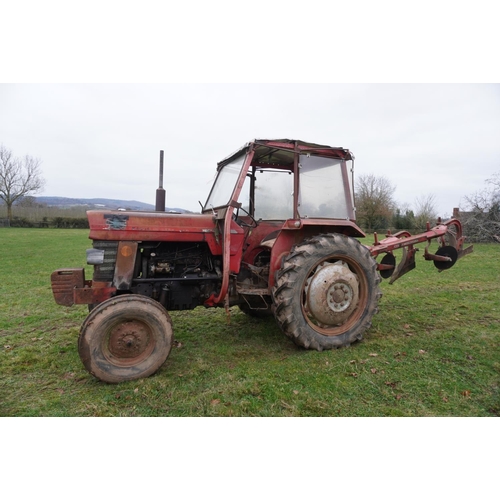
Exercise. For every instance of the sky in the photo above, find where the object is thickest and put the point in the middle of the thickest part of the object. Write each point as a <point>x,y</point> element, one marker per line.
<point>103,140</point>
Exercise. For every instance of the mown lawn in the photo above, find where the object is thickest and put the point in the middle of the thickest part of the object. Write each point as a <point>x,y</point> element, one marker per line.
<point>433,350</point>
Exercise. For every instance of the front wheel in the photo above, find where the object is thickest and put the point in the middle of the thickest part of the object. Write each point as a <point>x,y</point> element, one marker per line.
<point>125,338</point>
<point>326,292</point>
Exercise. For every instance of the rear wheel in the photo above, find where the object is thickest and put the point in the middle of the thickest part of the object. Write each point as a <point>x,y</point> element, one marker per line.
<point>326,292</point>
<point>125,338</point>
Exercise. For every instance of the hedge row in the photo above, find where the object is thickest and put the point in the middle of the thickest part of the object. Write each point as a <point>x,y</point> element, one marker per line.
<point>56,222</point>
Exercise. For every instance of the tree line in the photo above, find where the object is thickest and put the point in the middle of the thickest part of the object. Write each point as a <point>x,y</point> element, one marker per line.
<point>376,209</point>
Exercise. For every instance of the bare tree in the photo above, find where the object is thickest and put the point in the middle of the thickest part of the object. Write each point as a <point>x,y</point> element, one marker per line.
<point>18,177</point>
<point>425,210</point>
<point>481,213</point>
<point>374,201</point>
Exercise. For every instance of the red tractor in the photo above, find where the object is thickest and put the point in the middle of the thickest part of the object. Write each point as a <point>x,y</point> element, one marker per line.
<point>277,235</point>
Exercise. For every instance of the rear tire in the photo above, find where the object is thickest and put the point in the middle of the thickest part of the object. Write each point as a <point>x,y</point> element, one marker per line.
<point>326,292</point>
<point>125,338</point>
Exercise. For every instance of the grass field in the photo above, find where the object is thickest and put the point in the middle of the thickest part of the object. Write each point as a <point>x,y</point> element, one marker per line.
<point>433,350</point>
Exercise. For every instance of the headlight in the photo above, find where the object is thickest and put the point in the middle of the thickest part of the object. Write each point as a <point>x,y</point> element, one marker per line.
<point>95,257</point>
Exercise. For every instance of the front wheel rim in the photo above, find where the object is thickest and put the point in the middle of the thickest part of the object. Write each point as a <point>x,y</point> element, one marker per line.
<point>128,343</point>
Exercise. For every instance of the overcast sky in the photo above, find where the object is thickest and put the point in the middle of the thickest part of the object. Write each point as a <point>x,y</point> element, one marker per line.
<point>103,140</point>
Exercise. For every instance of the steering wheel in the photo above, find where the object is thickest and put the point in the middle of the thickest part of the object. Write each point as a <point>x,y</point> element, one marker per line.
<point>241,222</point>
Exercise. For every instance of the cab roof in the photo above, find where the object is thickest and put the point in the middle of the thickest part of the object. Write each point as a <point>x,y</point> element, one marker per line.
<point>280,151</point>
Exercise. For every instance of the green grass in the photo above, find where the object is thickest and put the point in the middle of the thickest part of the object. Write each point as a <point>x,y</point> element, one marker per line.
<point>433,350</point>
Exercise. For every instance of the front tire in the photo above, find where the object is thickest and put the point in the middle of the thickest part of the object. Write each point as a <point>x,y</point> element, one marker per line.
<point>326,292</point>
<point>125,338</point>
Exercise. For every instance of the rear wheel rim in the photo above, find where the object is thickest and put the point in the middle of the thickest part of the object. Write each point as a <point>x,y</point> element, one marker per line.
<point>342,302</point>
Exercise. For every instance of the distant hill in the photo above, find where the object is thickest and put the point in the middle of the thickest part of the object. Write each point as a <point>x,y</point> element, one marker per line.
<point>98,203</point>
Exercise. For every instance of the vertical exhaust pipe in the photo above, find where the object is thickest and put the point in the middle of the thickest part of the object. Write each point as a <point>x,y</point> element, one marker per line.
<point>160,192</point>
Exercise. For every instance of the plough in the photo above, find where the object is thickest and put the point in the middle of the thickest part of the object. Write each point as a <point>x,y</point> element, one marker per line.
<point>451,248</point>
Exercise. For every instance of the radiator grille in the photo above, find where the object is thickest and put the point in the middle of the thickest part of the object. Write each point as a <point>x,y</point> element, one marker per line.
<point>105,272</point>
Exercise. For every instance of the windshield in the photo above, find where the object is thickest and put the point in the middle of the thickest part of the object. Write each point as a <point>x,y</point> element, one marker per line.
<point>225,184</point>
<point>322,188</point>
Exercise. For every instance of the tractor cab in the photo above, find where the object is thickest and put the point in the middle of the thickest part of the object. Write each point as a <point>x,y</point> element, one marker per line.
<point>284,179</point>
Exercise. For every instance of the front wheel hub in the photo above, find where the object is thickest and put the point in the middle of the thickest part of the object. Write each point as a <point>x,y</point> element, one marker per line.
<point>129,340</point>
<point>332,294</point>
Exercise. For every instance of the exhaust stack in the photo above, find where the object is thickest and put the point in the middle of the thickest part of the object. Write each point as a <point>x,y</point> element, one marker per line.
<point>160,192</point>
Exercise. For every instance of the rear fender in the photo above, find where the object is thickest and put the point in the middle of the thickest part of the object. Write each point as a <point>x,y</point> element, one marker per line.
<point>296,231</point>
